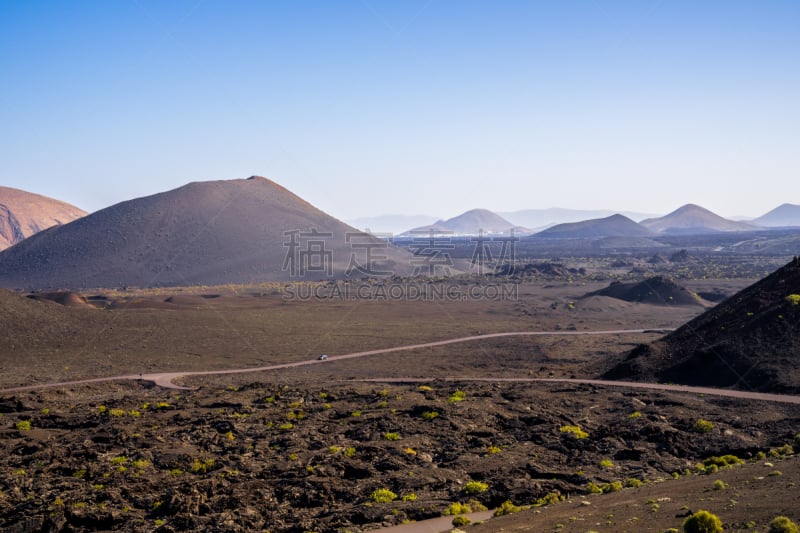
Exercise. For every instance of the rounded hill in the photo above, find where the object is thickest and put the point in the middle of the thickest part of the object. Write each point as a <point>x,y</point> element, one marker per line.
<point>204,233</point>
<point>658,290</point>
<point>612,226</point>
<point>692,219</point>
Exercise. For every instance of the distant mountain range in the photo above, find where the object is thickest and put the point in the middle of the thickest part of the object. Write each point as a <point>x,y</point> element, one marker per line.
<point>391,224</point>
<point>693,219</point>
<point>544,218</point>
<point>204,233</point>
<point>23,214</point>
<point>471,223</point>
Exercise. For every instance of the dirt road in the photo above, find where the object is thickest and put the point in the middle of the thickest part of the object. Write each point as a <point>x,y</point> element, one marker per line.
<point>166,379</point>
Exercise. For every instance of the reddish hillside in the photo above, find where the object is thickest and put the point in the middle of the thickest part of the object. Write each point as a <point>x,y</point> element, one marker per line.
<point>23,213</point>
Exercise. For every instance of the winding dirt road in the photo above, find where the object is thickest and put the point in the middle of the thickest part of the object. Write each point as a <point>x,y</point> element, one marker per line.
<point>166,379</point>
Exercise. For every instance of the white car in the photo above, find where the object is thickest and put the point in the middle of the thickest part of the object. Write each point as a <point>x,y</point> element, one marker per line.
<point>323,357</point>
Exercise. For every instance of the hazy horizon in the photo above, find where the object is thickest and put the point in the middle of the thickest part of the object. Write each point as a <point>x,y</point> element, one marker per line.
<point>421,107</point>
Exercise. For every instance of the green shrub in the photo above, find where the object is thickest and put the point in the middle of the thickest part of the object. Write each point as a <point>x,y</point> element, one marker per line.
<point>475,487</point>
<point>23,425</point>
<point>724,461</point>
<point>614,486</point>
<point>492,450</point>
<point>593,488</point>
<point>719,485</point>
<point>782,524</point>
<point>391,436</point>
<point>410,497</point>
<point>793,299</point>
<point>703,426</point>
<point>461,520</point>
<point>457,396</point>
<point>702,522</point>
<point>635,414</point>
<point>574,430</point>
<point>633,483</point>
<point>457,508</point>
<point>549,499</point>
<point>507,507</point>
<point>786,449</point>
<point>429,415</point>
<point>201,467</point>
<point>607,463</point>
<point>383,496</point>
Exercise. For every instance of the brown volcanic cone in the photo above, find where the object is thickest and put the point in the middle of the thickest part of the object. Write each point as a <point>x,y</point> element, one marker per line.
<point>23,213</point>
<point>658,290</point>
<point>204,233</point>
<point>749,341</point>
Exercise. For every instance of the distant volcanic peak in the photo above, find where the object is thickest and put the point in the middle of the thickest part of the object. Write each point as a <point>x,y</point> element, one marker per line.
<point>692,218</point>
<point>611,226</point>
<point>784,215</point>
<point>471,222</point>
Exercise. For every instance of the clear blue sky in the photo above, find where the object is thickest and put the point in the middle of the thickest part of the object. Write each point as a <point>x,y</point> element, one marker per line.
<point>365,107</point>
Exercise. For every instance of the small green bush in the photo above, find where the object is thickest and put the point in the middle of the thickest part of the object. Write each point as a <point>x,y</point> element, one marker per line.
<point>719,485</point>
<point>635,414</point>
<point>703,426</point>
<point>461,520</point>
<point>702,522</point>
<point>429,415</point>
<point>23,425</point>
<point>574,430</point>
<point>614,486</point>
<point>383,496</point>
<point>391,436</point>
<point>457,508</point>
<point>607,463</point>
<point>549,499</point>
<point>783,524</point>
<point>457,396</point>
<point>201,467</point>
<point>793,299</point>
<point>593,488</point>
<point>633,483</point>
<point>724,461</point>
<point>507,507</point>
<point>475,487</point>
